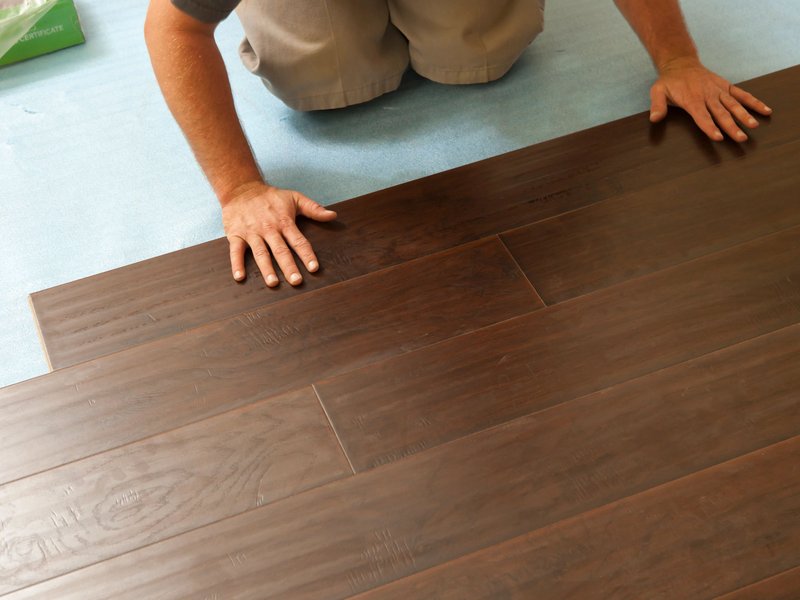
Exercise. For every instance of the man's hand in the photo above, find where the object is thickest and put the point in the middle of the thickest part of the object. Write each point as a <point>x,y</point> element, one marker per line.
<point>263,217</point>
<point>192,76</point>
<point>713,102</point>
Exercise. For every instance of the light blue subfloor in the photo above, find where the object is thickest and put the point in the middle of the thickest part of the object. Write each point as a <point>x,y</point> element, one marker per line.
<point>95,175</point>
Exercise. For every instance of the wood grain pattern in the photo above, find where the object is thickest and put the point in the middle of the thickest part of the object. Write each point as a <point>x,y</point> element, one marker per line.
<point>784,586</point>
<point>460,386</point>
<point>369,529</point>
<point>99,315</point>
<point>693,538</point>
<point>117,501</point>
<point>126,396</point>
<point>660,226</point>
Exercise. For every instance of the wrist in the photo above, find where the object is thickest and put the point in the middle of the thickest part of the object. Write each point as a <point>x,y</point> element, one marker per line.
<point>249,187</point>
<point>681,61</point>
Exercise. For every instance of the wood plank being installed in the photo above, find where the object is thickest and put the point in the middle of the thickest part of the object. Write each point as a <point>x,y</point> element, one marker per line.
<point>412,402</point>
<point>114,400</point>
<point>93,509</point>
<point>358,533</point>
<point>99,315</point>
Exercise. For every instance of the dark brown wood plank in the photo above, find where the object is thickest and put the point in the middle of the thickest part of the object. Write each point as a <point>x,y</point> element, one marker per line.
<point>117,501</point>
<point>660,226</point>
<point>375,527</point>
<point>693,538</point>
<point>784,586</point>
<point>99,315</point>
<point>117,399</point>
<point>401,406</point>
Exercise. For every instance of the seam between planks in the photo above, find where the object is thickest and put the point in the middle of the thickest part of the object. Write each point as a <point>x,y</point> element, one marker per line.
<point>333,428</point>
<point>584,514</point>
<point>521,270</point>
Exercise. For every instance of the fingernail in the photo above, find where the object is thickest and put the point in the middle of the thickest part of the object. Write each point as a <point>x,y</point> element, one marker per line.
<point>312,266</point>
<point>767,108</point>
<point>295,278</point>
<point>237,275</point>
<point>717,134</point>
<point>272,280</point>
<point>752,122</point>
<point>741,135</point>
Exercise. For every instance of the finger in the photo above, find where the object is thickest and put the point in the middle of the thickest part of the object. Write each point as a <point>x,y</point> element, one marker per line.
<point>237,249</point>
<point>725,121</point>
<point>283,256</point>
<point>658,103</point>
<point>703,119</point>
<point>749,100</point>
<point>263,260</point>
<point>301,246</point>
<point>308,208</point>
<point>738,111</point>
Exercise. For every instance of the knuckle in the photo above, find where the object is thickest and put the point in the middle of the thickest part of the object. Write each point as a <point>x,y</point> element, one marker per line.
<point>285,222</point>
<point>281,252</point>
<point>302,244</point>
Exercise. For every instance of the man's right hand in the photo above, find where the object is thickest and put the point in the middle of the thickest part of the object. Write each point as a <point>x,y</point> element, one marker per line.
<point>263,217</point>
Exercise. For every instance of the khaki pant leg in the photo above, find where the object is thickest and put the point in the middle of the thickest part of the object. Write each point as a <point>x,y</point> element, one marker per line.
<point>319,54</point>
<point>466,41</point>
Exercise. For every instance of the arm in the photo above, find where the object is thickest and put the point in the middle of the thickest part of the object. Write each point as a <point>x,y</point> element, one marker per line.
<point>195,85</point>
<point>713,102</point>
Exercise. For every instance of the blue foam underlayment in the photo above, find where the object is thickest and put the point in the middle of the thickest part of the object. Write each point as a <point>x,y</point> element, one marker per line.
<point>94,174</point>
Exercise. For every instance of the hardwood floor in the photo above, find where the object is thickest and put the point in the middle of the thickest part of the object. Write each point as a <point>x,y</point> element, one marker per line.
<point>572,371</point>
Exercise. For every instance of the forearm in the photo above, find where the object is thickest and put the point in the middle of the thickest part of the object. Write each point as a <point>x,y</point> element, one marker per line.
<point>195,85</point>
<point>661,28</point>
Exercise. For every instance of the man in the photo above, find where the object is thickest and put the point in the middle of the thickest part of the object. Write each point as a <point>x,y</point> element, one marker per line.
<point>318,54</point>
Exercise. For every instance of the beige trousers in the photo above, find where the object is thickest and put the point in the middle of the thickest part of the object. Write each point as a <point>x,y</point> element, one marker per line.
<point>319,54</point>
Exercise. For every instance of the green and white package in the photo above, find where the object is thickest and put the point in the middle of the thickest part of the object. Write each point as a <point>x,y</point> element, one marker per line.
<point>29,28</point>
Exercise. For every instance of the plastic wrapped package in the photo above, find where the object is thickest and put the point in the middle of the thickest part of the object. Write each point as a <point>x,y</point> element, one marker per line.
<point>30,28</point>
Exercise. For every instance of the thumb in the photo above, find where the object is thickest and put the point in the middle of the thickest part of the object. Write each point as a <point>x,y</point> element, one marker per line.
<point>308,208</point>
<point>658,103</point>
